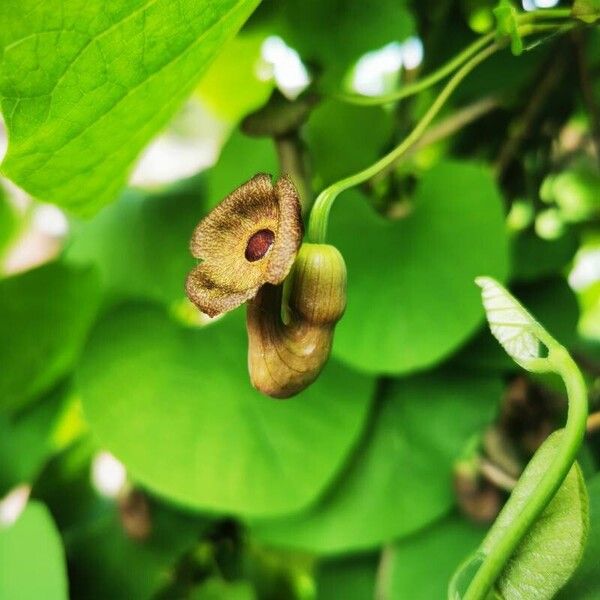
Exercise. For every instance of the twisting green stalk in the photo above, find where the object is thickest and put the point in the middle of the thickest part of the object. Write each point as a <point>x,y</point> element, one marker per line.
<point>319,217</point>
<point>422,84</point>
<point>520,334</point>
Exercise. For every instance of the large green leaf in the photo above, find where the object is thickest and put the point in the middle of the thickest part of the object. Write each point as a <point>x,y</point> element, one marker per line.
<point>32,561</point>
<point>551,550</point>
<point>421,565</point>
<point>152,231</point>
<point>411,298</point>
<point>46,314</point>
<point>85,84</point>
<point>176,406</point>
<point>401,479</point>
<point>585,584</point>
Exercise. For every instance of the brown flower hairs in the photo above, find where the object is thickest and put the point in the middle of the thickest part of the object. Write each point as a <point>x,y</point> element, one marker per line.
<point>250,239</point>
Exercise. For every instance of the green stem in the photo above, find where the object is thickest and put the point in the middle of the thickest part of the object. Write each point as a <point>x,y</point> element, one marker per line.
<point>574,431</point>
<point>319,216</point>
<point>424,83</point>
<point>452,65</point>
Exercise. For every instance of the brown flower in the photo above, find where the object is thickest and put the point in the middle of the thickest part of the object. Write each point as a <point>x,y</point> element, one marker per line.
<point>251,238</point>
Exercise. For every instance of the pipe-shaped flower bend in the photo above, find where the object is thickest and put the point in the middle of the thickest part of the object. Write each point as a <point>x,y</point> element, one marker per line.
<point>286,357</point>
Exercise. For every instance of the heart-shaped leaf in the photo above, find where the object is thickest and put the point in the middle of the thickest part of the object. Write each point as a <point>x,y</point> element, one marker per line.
<point>401,478</point>
<point>176,406</point>
<point>410,295</point>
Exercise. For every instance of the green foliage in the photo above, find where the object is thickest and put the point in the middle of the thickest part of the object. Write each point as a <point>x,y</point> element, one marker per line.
<point>506,25</point>
<point>78,117</point>
<point>336,138</point>
<point>550,552</point>
<point>46,314</point>
<point>350,489</point>
<point>453,201</point>
<point>147,228</point>
<point>218,444</point>
<point>400,480</point>
<point>32,561</point>
<point>421,565</point>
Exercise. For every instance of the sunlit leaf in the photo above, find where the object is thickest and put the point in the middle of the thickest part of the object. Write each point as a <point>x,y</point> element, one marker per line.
<point>517,331</point>
<point>86,84</point>
<point>555,305</point>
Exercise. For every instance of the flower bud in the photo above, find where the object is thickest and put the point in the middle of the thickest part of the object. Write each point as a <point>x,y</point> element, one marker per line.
<point>318,284</point>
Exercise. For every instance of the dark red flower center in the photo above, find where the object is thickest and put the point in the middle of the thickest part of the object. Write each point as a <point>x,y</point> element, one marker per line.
<point>259,244</point>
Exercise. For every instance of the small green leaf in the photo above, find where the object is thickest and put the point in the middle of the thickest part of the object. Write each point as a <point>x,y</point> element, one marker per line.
<point>551,550</point>
<point>86,84</point>
<point>410,301</point>
<point>401,478</point>
<point>507,25</point>
<point>555,305</point>
<point>147,383</point>
<point>587,11</point>
<point>514,327</point>
<point>32,563</point>
<point>46,314</point>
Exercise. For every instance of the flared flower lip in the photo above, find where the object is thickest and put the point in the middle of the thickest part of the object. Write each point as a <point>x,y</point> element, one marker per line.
<point>234,245</point>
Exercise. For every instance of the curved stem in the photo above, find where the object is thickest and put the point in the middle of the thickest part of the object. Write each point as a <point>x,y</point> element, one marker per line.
<point>452,65</point>
<point>574,432</point>
<point>317,226</point>
<point>431,79</point>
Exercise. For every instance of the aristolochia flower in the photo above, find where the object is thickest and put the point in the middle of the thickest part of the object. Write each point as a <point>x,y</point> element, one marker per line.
<point>251,238</point>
